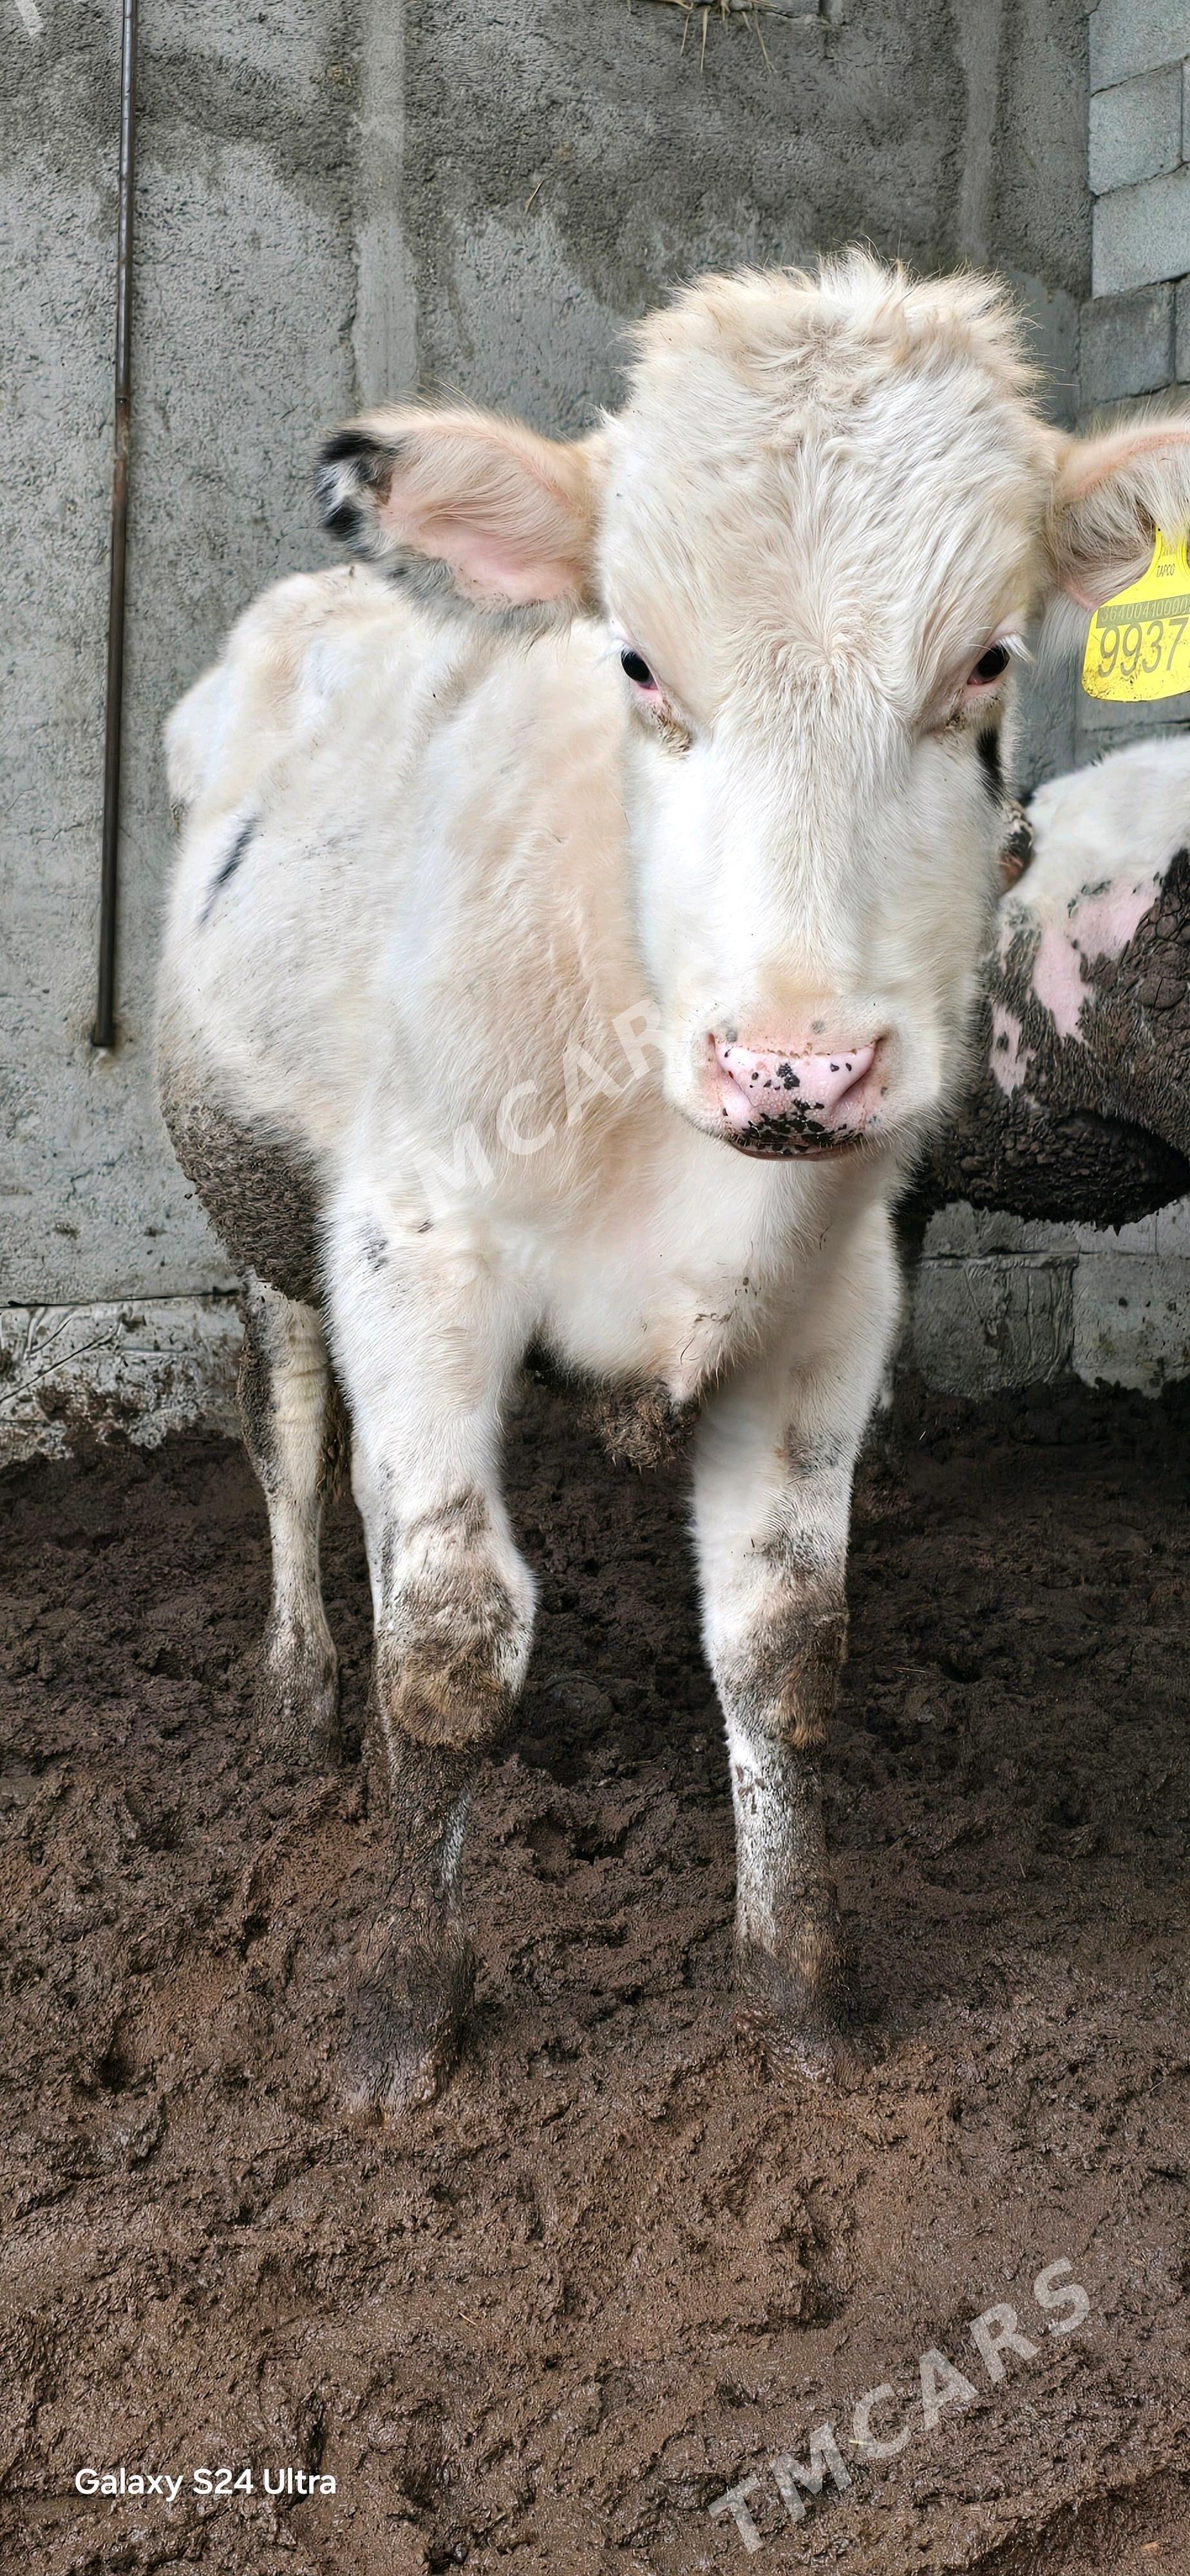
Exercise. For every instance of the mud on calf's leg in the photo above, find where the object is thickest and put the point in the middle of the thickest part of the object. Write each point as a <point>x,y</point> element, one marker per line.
<point>416,1969</point>
<point>778,1691</point>
<point>773,1498</point>
<point>287,1410</point>
<point>452,1640</point>
<point>426,1343</point>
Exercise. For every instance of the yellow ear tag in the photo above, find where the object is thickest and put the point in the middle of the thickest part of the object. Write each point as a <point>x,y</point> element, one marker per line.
<point>1138,644</point>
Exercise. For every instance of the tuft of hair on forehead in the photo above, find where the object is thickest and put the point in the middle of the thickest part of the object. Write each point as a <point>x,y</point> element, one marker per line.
<point>835,332</point>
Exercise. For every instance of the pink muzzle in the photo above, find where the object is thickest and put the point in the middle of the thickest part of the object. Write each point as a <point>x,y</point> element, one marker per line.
<point>811,1101</point>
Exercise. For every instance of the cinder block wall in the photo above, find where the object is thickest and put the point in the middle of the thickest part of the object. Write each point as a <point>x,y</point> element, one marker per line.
<point>999,1303</point>
<point>1135,327</point>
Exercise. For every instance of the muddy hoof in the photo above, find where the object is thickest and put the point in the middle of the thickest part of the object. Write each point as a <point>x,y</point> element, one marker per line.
<point>409,2005</point>
<point>810,2028</point>
<point>297,1701</point>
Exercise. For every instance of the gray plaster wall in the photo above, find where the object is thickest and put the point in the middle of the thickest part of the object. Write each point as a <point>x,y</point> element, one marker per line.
<point>338,198</point>
<point>570,162</point>
<point>246,290</point>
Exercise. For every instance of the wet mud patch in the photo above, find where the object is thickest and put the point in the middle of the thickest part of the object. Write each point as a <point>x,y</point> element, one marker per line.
<point>621,2265</point>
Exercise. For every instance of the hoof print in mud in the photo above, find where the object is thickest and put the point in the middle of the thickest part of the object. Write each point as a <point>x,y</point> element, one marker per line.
<point>408,2008</point>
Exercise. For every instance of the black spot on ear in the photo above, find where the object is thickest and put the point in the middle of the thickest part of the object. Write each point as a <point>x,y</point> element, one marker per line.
<point>353,468</point>
<point>358,448</point>
<point>343,519</point>
<point>227,867</point>
<point>988,747</point>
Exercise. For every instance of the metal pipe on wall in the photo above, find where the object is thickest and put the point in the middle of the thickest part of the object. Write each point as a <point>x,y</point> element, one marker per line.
<point>104,1032</point>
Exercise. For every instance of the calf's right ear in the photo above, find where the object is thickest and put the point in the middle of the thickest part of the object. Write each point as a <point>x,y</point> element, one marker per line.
<point>1110,494</point>
<point>508,515</point>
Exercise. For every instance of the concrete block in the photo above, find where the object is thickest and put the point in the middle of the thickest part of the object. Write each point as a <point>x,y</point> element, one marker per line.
<point>1132,1242</point>
<point>1111,716</point>
<point>136,1370</point>
<point>1141,234</point>
<point>976,1233</point>
<point>1173,1229</point>
<point>1181,334</point>
<point>970,1231</point>
<point>1131,1319</point>
<point>1127,344</point>
<point>982,1325</point>
<point>1136,129</point>
<point>1129,36</point>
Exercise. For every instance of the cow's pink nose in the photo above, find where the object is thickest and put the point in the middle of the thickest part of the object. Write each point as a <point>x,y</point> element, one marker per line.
<point>810,1091</point>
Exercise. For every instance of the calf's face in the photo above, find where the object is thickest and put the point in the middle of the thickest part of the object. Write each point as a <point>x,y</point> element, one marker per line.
<point>818,533</point>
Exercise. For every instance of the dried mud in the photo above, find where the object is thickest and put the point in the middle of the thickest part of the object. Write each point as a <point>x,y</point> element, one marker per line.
<point>622,2262</point>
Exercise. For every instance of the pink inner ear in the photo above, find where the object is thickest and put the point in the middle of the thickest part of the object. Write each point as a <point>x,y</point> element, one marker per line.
<point>485,570</point>
<point>509,512</point>
<point>486,566</point>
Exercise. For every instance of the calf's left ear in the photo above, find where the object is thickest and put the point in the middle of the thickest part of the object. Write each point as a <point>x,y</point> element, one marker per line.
<point>1109,496</point>
<point>508,515</point>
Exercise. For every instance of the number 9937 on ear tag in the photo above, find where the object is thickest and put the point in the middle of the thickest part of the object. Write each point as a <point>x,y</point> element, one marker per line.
<point>1138,645</point>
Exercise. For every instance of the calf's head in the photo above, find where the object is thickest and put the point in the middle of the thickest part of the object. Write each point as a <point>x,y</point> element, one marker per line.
<point>817,535</point>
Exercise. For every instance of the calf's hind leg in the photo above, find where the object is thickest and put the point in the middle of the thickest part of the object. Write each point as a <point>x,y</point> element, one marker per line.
<point>287,1410</point>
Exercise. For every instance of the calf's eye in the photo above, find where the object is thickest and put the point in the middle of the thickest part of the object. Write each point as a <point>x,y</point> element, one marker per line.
<point>990,666</point>
<point>636,669</point>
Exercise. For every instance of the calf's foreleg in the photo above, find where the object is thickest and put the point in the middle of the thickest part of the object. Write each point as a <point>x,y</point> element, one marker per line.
<point>426,1343</point>
<point>772,1499</point>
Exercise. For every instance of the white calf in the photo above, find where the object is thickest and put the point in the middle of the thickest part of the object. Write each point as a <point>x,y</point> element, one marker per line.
<point>574,934</point>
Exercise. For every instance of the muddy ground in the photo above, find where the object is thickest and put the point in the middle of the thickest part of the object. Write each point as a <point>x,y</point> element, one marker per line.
<point>621,2263</point>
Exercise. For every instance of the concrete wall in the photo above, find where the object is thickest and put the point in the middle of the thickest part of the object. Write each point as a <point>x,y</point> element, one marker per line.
<point>335,195</point>
<point>268,299</point>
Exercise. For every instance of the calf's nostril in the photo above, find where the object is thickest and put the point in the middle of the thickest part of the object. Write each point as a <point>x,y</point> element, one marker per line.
<point>760,1083</point>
